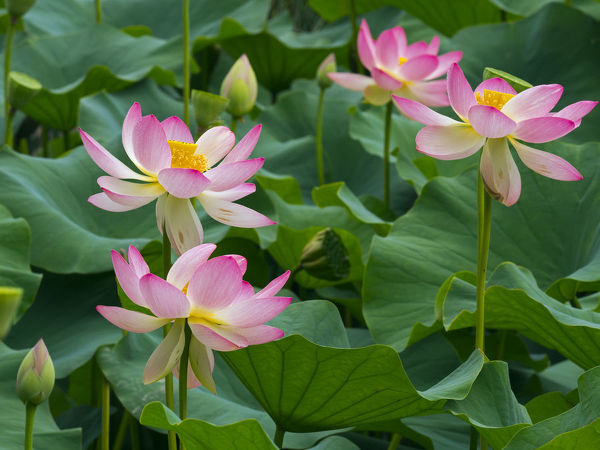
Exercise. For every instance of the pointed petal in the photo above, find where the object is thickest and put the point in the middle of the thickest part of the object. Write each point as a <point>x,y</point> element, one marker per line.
<point>182,270</point>
<point>430,93</point>
<point>451,142</point>
<point>150,145</point>
<point>490,122</point>
<point>543,129</point>
<point>499,172</point>
<point>576,111</point>
<point>215,144</point>
<point>460,93</point>
<point>122,187</point>
<point>228,176</point>
<point>102,201</point>
<point>215,284</point>
<point>495,84</point>
<point>166,355</point>
<point>164,299</point>
<point>533,102</point>
<point>134,115</point>
<point>385,81</point>
<point>376,96</point>
<point>231,195</point>
<point>351,81</point>
<point>444,63</point>
<point>434,46</point>
<point>183,183</point>
<point>274,286</point>
<point>128,279</point>
<point>251,312</point>
<point>176,130</point>
<point>545,163</point>
<point>133,321</point>
<point>418,68</point>
<point>244,147</point>
<point>389,46</point>
<point>131,201</point>
<point>416,49</point>
<point>136,262</point>
<point>202,362</point>
<point>260,334</point>
<point>231,213</point>
<point>218,337</point>
<point>366,46</point>
<point>421,113</point>
<point>106,161</point>
<point>183,225</point>
<point>242,264</point>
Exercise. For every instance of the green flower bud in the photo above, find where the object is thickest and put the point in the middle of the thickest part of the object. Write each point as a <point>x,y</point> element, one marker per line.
<point>518,84</point>
<point>326,257</point>
<point>10,298</point>
<point>240,87</point>
<point>326,67</point>
<point>208,108</point>
<point>35,378</point>
<point>17,8</point>
<point>21,89</point>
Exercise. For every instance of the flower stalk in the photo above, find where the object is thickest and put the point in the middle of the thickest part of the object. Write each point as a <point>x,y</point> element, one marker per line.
<point>319,143</point>
<point>386,154</point>
<point>484,208</point>
<point>279,434</point>
<point>105,438</point>
<point>183,373</point>
<point>29,418</point>
<point>186,62</point>
<point>10,31</point>
<point>98,11</point>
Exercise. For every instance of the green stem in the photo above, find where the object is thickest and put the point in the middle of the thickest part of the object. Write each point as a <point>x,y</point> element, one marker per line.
<point>10,31</point>
<point>278,439</point>
<point>183,372</point>
<point>395,442</point>
<point>320,138</point>
<point>484,209</point>
<point>105,414</point>
<point>66,141</point>
<point>45,151</point>
<point>234,121</point>
<point>29,416</point>
<point>121,432</point>
<point>186,62</point>
<point>501,344</point>
<point>474,437</point>
<point>353,46</point>
<point>574,301</point>
<point>483,445</point>
<point>98,12</point>
<point>386,155</point>
<point>134,433</point>
<point>8,137</point>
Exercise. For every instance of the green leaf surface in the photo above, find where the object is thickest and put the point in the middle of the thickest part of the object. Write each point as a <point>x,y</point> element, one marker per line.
<point>521,8</point>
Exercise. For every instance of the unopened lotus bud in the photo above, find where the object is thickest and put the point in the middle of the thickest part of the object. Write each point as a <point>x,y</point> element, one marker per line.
<point>10,298</point>
<point>35,378</point>
<point>517,84</point>
<point>208,108</point>
<point>21,89</point>
<point>326,67</point>
<point>17,8</point>
<point>240,87</point>
<point>326,257</point>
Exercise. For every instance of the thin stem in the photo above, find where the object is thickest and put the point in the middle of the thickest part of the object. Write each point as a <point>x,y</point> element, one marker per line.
<point>134,432</point>
<point>574,301</point>
<point>278,439</point>
<point>484,209</point>
<point>183,372</point>
<point>121,432</point>
<point>29,416</point>
<point>45,151</point>
<point>186,62</point>
<point>474,437</point>
<point>483,445</point>
<point>320,138</point>
<point>8,137</point>
<point>66,141</point>
<point>395,442</point>
<point>386,155</point>
<point>353,46</point>
<point>105,438</point>
<point>10,31</point>
<point>98,12</point>
<point>234,121</point>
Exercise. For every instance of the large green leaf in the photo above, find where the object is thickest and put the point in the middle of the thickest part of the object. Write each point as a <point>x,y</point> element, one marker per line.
<point>46,435</point>
<point>527,8</point>
<point>438,237</point>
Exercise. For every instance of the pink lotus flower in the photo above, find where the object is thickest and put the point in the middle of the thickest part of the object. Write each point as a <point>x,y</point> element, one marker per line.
<point>221,309</point>
<point>398,68</point>
<point>175,169</point>
<point>492,116</point>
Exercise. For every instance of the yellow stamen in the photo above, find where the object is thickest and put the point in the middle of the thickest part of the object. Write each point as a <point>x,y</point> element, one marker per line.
<point>493,98</point>
<point>184,156</point>
<point>402,60</point>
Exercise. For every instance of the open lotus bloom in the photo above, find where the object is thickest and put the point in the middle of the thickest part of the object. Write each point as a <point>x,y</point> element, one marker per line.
<point>491,117</point>
<point>221,309</point>
<point>397,68</point>
<point>175,169</point>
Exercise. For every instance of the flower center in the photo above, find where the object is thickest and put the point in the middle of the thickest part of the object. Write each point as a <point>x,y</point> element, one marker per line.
<point>402,60</point>
<point>184,156</point>
<point>493,98</point>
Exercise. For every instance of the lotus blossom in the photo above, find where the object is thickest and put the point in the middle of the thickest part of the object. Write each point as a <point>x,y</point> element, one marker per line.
<point>397,68</point>
<point>493,116</point>
<point>175,169</point>
<point>222,310</point>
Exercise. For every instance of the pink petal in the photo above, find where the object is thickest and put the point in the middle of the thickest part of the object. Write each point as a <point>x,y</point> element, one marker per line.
<point>260,334</point>
<point>240,191</point>
<point>241,262</point>
<point>130,201</point>
<point>215,144</point>
<point>444,63</point>
<point>366,46</point>
<point>460,93</point>
<point>166,355</point>
<point>421,113</point>
<point>385,81</point>
<point>218,337</point>
<point>182,223</point>
<point>192,380</point>
<point>490,122</point>
<point>419,67</point>
<point>231,213</point>
<point>102,201</point>
<point>150,145</point>
<point>176,130</point>
<point>215,284</point>
<point>274,286</point>
<point>244,147</point>
<point>450,142</point>
<point>351,81</point>
<point>136,262</point>
<point>576,111</point>
<point>495,84</point>
<point>202,362</point>
<point>434,46</point>
<point>545,163</point>
<point>134,115</point>
<point>251,312</point>
<point>106,161</point>
<point>543,129</point>
<point>246,291</point>
<point>389,47</point>
<point>533,102</point>
<point>183,183</point>
<point>499,172</point>
<point>182,270</point>
<point>430,93</point>
<point>164,299</point>
<point>122,187</point>
<point>228,176</point>
<point>128,279</point>
<point>416,49</point>
<point>133,321</point>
